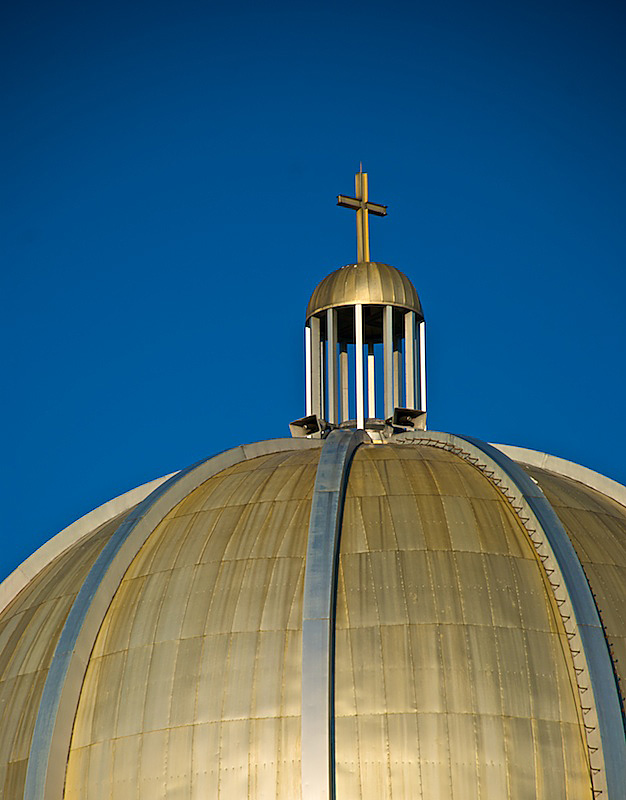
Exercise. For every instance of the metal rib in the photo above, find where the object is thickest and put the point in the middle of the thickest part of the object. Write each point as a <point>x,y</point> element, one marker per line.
<point>318,614</point>
<point>50,746</point>
<point>604,728</point>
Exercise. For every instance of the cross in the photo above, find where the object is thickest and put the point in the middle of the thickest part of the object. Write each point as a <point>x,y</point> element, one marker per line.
<point>363,208</point>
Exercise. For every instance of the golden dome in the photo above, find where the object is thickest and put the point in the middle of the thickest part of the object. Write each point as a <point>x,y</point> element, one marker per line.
<point>451,655</point>
<point>370,283</point>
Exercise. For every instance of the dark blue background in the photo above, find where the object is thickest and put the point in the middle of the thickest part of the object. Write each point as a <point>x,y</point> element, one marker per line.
<point>168,205</point>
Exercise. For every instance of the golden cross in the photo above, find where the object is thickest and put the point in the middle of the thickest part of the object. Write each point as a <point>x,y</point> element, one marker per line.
<point>363,208</point>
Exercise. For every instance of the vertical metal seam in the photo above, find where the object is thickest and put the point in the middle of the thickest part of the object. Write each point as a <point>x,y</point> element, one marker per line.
<point>319,611</point>
<point>593,666</point>
<point>50,745</point>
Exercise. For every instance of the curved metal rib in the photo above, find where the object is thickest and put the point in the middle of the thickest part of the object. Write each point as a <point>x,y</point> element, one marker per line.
<point>318,614</point>
<point>604,725</point>
<point>50,746</point>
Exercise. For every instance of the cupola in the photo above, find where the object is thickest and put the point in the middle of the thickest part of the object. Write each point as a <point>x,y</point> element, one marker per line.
<point>365,341</point>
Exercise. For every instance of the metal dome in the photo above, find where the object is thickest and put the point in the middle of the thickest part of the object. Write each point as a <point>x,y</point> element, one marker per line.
<point>171,649</point>
<point>369,283</point>
<point>381,612</point>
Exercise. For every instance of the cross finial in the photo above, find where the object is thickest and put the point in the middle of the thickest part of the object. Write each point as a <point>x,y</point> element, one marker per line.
<point>363,208</point>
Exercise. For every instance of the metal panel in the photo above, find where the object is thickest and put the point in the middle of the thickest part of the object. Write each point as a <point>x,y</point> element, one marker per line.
<point>604,724</point>
<point>592,509</point>
<point>30,628</point>
<point>596,525</point>
<point>51,739</point>
<point>318,614</point>
<point>444,630</point>
<point>225,682</point>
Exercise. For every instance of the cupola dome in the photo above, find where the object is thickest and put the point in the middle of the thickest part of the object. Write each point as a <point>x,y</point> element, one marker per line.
<point>368,283</point>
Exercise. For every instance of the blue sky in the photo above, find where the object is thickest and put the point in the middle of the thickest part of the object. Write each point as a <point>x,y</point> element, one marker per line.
<point>168,206</point>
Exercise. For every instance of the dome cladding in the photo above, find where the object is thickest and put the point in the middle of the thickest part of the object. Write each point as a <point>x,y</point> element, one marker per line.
<point>451,653</point>
<point>369,283</point>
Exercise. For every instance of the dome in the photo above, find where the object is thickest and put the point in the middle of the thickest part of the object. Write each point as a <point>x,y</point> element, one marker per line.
<point>162,647</point>
<point>370,283</point>
<point>367,610</point>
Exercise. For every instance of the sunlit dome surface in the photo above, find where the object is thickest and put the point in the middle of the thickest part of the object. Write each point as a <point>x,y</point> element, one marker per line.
<point>452,657</point>
<point>367,283</point>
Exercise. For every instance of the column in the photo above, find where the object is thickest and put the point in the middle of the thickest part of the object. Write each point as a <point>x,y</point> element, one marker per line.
<point>360,383</point>
<point>309,388</point>
<point>343,380</point>
<point>397,373</point>
<point>316,375</point>
<point>409,358</point>
<point>422,331</point>
<point>331,337</point>
<point>371,382</point>
<point>388,359</point>
<point>322,378</point>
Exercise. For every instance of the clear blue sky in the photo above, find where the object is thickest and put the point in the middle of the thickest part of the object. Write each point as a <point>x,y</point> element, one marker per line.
<point>168,205</point>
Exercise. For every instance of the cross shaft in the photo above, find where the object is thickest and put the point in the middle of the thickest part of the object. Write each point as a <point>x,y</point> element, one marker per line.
<point>363,208</point>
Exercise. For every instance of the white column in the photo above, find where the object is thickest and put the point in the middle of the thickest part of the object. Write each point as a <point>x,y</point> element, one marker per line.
<point>316,387</point>
<point>360,383</point>
<point>422,328</point>
<point>307,351</point>
<point>397,374</point>
<point>409,358</point>
<point>331,338</point>
<point>371,382</point>
<point>388,359</point>
<point>343,380</point>
<point>322,378</point>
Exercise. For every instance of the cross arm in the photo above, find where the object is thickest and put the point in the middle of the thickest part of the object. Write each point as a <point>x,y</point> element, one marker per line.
<point>376,209</point>
<point>348,202</point>
<point>357,205</point>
